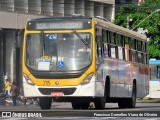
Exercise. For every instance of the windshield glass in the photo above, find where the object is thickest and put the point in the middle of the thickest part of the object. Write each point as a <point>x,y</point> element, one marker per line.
<point>58,52</point>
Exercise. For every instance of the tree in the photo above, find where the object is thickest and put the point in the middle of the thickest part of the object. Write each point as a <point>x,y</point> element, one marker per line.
<point>152,23</point>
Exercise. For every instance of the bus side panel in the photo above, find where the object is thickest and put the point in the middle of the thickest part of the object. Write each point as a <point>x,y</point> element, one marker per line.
<point>122,75</point>
<point>108,68</point>
<point>119,74</point>
<point>124,83</point>
<point>100,83</point>
<point>142,79</point>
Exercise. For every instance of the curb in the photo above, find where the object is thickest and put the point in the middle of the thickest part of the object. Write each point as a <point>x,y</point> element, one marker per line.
<point>146,98</point>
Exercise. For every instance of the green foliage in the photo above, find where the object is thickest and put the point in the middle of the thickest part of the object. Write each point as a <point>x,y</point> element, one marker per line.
<point>152,23</point>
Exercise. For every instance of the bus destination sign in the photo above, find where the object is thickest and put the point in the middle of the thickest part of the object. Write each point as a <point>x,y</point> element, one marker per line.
<point>58,25</point>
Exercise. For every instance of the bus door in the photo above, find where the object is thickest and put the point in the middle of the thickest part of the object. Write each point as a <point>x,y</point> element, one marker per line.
<point>99,54</point>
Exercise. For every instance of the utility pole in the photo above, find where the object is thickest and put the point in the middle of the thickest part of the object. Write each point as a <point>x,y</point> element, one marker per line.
<point>128,21</point>
<point>146,18</point>
<point>127,24</point>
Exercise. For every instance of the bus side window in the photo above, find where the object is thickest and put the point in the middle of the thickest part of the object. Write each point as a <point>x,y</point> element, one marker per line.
<point>127,49</point>
<point>105,43</point>
<point>139,51</point>
<point>133,50</point>
<point>120,44</point>
<point>106,50</point>
<point>112,39</point>
<point>144,53</point>
<point>99,41</point>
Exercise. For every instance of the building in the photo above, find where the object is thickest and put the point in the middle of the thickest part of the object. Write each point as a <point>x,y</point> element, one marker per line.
<point>118,3</point>
<point>15,13</point>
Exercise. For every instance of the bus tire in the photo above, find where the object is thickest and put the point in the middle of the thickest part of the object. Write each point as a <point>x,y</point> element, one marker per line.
<point>132,100</point>
<point>100,103</point>
<point>85,105</point>
<point>122,103</point>
<point>78,105</point>
<point>75,105</point>
<point>45,103</point>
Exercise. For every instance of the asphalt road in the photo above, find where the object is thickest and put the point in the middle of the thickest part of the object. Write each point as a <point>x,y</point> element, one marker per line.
<point>145,110</point>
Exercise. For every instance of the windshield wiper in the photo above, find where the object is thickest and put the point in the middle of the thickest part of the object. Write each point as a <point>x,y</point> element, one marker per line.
<point>85,42</point>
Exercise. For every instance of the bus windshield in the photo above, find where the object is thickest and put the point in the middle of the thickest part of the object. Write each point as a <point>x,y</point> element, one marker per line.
<point>58,52</point>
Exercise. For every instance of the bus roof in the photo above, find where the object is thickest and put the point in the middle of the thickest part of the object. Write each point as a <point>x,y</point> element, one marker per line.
<point>64,18</point>
<point>98,21</point>
<point>119,29</point>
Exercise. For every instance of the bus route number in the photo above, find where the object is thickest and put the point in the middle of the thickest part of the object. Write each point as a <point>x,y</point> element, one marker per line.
<point>46,83</point>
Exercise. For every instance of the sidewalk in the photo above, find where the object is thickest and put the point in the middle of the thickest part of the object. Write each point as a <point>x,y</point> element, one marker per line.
<point>148,100</point>
<point>2,102</point>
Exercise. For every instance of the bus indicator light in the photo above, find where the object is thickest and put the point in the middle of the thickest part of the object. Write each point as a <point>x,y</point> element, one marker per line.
<point>57,83</point>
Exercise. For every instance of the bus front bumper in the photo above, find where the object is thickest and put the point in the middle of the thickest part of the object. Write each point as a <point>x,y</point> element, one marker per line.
<point>92,89</point>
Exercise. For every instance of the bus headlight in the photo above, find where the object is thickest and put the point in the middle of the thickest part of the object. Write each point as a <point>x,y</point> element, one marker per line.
<point>87,79</point>
<point>28,80</point>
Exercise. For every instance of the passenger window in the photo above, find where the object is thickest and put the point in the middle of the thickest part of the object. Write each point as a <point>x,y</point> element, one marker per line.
<point>112,37</point>
<point>133,55</point>
<point>132,44</point>
<point>120,53</point>
<point>139,45</point>
<point>106,50</point>
<point>119,40</point>
<point>113,51</point>
<point>99,41</point>
<point>105,36</point>
<point>127,49</point>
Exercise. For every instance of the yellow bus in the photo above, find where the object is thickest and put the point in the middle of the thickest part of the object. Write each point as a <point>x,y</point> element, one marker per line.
<point>82,60</point>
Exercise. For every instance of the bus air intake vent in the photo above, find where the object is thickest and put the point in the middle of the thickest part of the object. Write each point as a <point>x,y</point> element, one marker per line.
<point>66,91</point>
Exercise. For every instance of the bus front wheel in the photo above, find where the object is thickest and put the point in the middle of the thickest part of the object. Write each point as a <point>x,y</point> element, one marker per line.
<point>78,105</point>
<point>75,105</point>
<point>100,103</point>
<point>45,103</point>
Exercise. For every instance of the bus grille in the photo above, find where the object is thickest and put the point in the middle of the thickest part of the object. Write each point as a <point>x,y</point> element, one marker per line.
<point>66,91</point>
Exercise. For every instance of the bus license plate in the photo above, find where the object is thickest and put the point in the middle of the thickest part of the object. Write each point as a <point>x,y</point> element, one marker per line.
<point>57,94</point>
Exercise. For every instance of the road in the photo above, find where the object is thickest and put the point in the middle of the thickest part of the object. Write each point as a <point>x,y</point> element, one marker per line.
<point>145,110</point>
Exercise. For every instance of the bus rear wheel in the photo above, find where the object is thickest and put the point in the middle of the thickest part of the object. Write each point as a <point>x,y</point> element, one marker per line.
<point>132,100</point>
<point>122,103</point>
<point>45,103</point>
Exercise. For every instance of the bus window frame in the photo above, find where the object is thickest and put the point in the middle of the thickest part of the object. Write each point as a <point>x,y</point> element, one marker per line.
<point>132,49</point>
<point>99,41</point>
<point>121,45</point>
